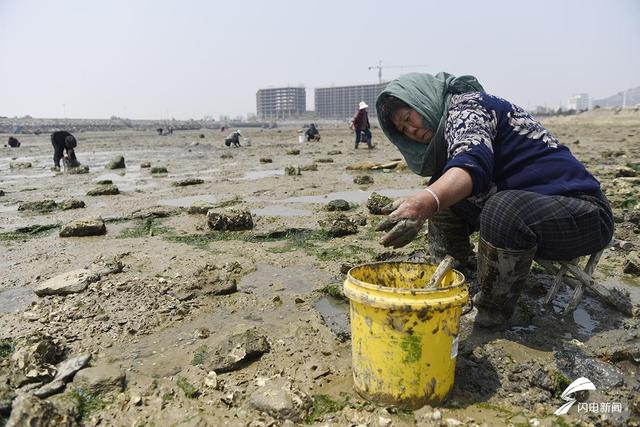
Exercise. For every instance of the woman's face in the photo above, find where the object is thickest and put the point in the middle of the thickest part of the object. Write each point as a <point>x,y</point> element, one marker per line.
<point>409,122</point>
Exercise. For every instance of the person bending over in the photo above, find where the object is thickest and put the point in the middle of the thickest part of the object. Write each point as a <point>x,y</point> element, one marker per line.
<point>494,169</point>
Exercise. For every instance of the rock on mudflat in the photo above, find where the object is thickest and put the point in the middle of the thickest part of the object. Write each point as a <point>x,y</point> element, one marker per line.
<point>99,380</point>
<point>200,208</point>
<point>159,170</point>
<point>32,411</point>
<point>312,167</point>
<point>67,283</point>
<point>145,165</point>
<point>632,264</point>
<point>231,219</point>
<point>363,180</point>
<point>334,152</point>
<point>116,163</point>
<point>574,363</point>
<point>338,205</point>
<point>376,202</point>
<point>46,205</point>
<point>266,160</point>
<point>67,204</point>
<point>281,400</point>
<point>104,190</point>
<point>76,280</point>
<point>92,226</point>
<point>20,165</point>
<point>293,152</point>
<point>188,181</point>
<point>78,170</point>
<point>34,359</point>
<point>1,193</point>
<point>625,171</point>
<point>213,280</point>
<point>154,212</point>
<point>238,350</point>
<point>338,225</point>
<point>66,370</point>
<point>324,160</point>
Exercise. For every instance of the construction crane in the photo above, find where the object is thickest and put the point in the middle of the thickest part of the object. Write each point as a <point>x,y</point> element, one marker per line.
<point>380,67</point>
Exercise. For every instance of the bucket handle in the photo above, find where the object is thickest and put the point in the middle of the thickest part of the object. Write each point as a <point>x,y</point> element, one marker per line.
<point>468,310</point>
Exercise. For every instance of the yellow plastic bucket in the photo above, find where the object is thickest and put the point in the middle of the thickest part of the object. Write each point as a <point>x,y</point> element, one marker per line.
<point>404,338</point>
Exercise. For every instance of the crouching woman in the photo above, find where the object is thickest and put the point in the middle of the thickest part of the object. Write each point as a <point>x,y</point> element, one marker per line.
<point>494,169</point>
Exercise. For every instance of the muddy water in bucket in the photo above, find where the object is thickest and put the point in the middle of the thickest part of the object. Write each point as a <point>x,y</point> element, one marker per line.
<point>404,337</point>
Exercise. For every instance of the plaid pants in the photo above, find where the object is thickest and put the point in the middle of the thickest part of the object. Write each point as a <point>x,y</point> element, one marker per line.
<point>563,227</point>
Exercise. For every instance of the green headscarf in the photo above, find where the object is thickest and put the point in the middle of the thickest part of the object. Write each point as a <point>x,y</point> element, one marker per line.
<point>429,95</point>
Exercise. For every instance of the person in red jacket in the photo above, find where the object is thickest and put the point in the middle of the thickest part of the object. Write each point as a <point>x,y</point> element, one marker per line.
<point>361,125</point>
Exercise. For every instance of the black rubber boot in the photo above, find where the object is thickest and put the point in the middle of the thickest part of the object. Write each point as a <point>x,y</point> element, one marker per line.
<point>502,274</point>
<point>448,234</point>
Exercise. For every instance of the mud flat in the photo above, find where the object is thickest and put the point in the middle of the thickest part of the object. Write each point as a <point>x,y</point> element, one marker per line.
<point>205,327</point>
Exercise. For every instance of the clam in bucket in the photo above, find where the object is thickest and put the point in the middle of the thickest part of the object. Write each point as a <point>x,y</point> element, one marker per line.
<point>404,337</point>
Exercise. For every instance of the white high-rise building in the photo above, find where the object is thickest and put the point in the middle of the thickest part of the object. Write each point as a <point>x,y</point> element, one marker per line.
<point>579,102</point>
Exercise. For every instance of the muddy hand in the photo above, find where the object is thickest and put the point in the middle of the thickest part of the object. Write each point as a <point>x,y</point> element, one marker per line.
<point>403,231</point>
<point>389,222</point>
<point>405,220</point>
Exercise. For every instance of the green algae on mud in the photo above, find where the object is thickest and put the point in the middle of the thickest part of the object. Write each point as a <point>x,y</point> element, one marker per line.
<point>323,405</point>
<point>28,232</point>
<point>87,403</point>
<point>189,390</point>
<point>144,228</point>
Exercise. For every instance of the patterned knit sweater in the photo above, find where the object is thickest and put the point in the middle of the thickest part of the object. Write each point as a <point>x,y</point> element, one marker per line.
<point>504,148</point>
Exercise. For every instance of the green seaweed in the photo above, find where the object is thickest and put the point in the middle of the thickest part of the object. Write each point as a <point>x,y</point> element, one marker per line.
<point>87,402</point>
<point>30,231</point>
<point>560,383</point>
<point>323,405</point>
<point>189,390</point>
<point>144,228</point>
<point>6,347</point>
<point>199,355</point>
<point>495,408</point>
<point>231,202</point>
<point>633,165</point>
<point>334,291</point>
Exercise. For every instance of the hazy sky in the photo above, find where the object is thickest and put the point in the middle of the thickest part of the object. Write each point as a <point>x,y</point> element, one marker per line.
<point>187,59</point>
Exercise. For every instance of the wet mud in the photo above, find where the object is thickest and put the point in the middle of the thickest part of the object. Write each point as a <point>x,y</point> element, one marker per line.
<point>158,322</point>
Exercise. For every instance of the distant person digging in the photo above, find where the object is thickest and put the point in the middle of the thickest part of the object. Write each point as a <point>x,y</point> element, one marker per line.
<point>312,133</point>
<point>361,125</point>
<point>233,139</point>
<point>63,141</point>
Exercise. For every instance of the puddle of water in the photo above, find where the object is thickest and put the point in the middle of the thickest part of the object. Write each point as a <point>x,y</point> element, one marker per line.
<point>624,283</point>
<point>165,353</point>
<point>355,196</point>
<point>335,314</point>
<point>15,299</point>
<point>584,320</point>
<point>127,181</point>
<point>25,176</point>
<point>185,202</point>
<point>277,210</point>
<point>5,209</point>
<point>267,173</point>
<point>268,280</point>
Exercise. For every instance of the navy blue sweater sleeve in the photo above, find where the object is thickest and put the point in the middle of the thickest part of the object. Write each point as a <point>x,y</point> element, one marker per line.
<point>470,131</point>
